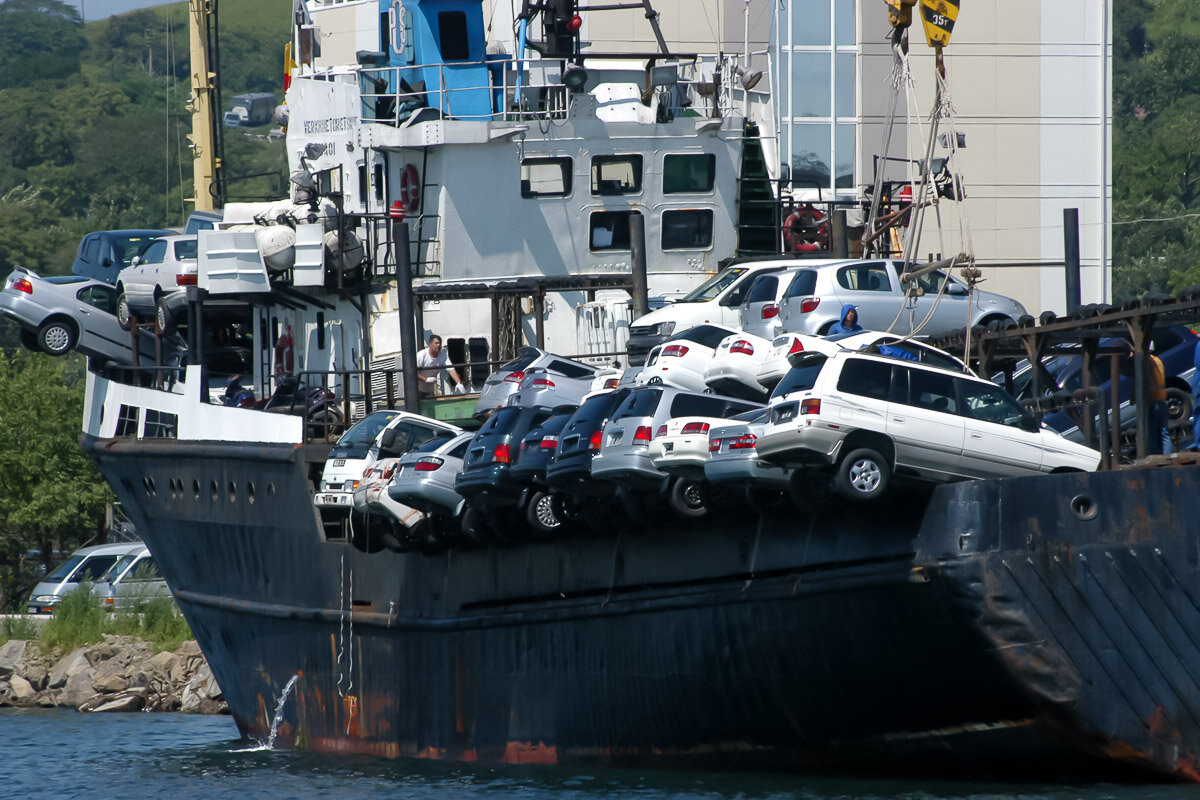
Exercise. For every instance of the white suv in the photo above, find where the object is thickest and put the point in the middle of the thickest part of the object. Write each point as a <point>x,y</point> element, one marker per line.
<point>869,415</point>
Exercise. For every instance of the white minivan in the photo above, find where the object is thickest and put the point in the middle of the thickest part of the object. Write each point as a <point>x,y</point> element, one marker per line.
<point>86,564</point>
<point>867,416</point>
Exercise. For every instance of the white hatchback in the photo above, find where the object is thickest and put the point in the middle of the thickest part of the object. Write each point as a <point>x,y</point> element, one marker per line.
<point>681,360</point>
<point>154,283</point>
<point>733,369</point>
<point>868,416</point>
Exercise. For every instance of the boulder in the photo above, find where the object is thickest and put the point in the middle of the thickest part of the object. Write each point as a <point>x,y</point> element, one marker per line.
<point>201,695</point>
<point>122,701</point>
<point>78,688</point>
<point>12,656</point>
<point>102,652</point>
<point>68,667</point>
<point>163,663</point>
<point>137,678</point>
<point>36,675</point>
<point>189,649</point>
<point>22,691</point>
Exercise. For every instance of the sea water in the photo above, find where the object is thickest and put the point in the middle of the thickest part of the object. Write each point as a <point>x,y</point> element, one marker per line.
<point>51,754</point>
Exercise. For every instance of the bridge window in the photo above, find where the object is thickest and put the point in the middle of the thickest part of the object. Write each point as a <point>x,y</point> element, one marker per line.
<point>687,229</point>
<point>616,174</point>
<point>546,177</point>
<point>610,230</point>
<point>161,424</point>
<point>689,172</point>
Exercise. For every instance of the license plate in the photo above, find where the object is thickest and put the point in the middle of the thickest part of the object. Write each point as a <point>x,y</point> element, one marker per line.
<point>785,413</point>
<point>339,462</point>
<point>333,499</point>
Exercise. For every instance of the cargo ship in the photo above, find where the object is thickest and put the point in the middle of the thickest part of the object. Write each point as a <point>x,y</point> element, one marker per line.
<point>1041,624</point>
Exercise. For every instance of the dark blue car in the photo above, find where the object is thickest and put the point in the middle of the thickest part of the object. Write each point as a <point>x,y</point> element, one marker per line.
<point>536,454</point>
<point>103,254</point>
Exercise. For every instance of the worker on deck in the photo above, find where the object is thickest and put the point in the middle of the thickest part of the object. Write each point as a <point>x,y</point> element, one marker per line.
<point>431,363</point>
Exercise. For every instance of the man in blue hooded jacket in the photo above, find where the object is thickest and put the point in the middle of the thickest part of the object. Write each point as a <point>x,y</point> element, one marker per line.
<point>848,323</point>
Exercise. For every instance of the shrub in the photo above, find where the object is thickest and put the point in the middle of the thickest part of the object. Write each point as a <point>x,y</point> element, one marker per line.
<point>78,621</point>
<point>18,628</point>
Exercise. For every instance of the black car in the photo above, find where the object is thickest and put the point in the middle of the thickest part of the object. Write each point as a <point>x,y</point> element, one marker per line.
<point>579,442</point>
<point>536,454</point>
<point>486,478</point>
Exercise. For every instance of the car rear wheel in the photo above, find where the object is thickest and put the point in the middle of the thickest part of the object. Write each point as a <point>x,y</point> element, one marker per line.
<point>541,515</point>
<point>688,498</point>
<point>811,489</point>
<point>57,337</point>
<point>863,475</point>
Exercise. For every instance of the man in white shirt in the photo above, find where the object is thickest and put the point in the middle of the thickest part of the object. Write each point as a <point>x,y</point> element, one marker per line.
<point>430,363</point>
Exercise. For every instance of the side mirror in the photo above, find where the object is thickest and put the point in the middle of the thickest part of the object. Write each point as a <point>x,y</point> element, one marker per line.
<point>1030,422</point>
<point>388,440</point>
<point>136,260</point>
<point>107,262</point>
<point>957,289</point>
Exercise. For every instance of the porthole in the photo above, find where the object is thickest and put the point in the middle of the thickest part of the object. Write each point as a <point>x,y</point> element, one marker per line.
<point>195,489</point>
<point>250,492</point>
<point>212,488</point>
<point>232,492</point>
<point>148,483</point>
<point>1084,507</point>
<point>270,490</point>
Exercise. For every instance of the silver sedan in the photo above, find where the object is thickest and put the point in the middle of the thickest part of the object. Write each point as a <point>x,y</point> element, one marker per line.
<point>61,313</point>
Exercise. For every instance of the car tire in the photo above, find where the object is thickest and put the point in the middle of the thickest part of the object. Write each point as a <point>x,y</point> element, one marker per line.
<point>862,475</point>
<point>1179,406</point>
<point>475,525</point>
<point>57,337</point>
<point>541,515</point>
<point>124,312</point>
<point>688,498</point>
<point>164,317</point>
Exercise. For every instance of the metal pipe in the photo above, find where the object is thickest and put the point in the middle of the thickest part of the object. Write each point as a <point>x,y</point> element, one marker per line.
<point>637,258</point>
<point>404,309</point>
<point>1071,257</point>
<point>839,247</point>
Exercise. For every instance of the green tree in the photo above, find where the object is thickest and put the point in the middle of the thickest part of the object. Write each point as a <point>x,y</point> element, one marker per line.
<point>51,494</point>
<point>39,39</point>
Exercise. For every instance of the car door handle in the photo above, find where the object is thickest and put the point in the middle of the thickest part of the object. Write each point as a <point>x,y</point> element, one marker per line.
<point>976,435</point>
<point>897,419</point>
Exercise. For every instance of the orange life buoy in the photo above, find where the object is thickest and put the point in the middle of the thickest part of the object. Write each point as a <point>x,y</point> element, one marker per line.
<point>805,230</point>
<point>410,188</point>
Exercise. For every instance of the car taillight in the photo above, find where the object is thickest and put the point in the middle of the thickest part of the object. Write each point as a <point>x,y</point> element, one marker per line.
<point>515,377</point>
<point>501,454</point>
<point>611,383</point>
<point>714,445</point>
<point>809,305</point>
<point>594,441</point>
<point>187,279</point>
<point>797,347</point>
<point>662,431</point>
<point>23,285</point>
<point>428,464</point>
<point>367,472</point>
<point>674,351</point>
<point>642,435</point>
<point>549,442</point>
<point>696,427</point>
<point>811,405</point>
<point>770,310</point>
<point>389,472</point>
<point>742,346</point>
<point>744,442</point>
<point>543,383</point>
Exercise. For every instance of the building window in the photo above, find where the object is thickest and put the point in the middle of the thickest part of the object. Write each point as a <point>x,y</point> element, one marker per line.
<point>610,229</point>
<point>689,172</point>
<point>546,177</point>
<point>616,174</point>
<point>816,47</point>
<point>687,229</point>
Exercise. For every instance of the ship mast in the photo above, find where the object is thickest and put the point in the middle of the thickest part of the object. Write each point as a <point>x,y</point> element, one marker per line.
<point>203,139</point>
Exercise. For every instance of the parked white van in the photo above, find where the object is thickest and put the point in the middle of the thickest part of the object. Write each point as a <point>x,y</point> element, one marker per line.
<point>87,564</point>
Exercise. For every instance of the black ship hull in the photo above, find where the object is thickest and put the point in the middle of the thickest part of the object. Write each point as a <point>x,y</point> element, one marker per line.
<point>1035,622</point>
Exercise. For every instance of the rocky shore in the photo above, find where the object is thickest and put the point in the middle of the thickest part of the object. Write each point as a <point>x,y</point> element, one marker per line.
<point>118,674</point>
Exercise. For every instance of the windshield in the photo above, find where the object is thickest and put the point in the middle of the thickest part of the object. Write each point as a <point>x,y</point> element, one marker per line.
<point>801,378</point>
<point>124,248</point>
<point>366,429</point>
<point>119,567</point>
<point>713,286</point>
<point>65,569</point>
